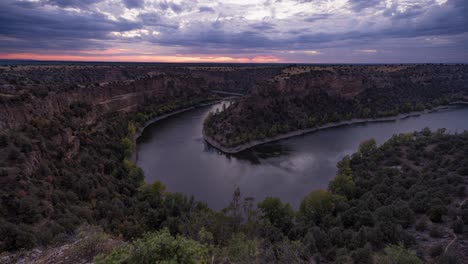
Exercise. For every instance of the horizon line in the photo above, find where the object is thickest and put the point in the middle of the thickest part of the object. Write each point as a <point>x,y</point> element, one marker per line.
<point>208,62</point>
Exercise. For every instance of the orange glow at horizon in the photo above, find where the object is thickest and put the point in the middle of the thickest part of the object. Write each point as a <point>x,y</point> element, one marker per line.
<point>138,58</point>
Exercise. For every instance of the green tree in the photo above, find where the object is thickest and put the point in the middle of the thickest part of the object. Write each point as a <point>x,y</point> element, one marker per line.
<point>343,184</point>
<point>240,249</point>
<point>280,215</point>
<point>317,204</point>
<point>367,147</point>
<point>398,255</point>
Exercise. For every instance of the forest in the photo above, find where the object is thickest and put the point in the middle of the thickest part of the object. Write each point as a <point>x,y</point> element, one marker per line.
<point>313,98</point>
<point>381,200</point>
<point>401,202</point>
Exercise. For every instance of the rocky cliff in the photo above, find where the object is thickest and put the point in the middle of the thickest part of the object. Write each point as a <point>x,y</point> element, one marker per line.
<point>21,105</point>
<point>311,96</point>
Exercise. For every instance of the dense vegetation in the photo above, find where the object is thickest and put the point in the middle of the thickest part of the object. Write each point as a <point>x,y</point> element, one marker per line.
<point>98,184</point>
<point>381,200</point>
<point>397,203</point>
<point>314,97</point>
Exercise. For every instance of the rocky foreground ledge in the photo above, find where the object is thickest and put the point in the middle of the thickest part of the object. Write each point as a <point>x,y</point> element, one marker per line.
<point>253,143</point>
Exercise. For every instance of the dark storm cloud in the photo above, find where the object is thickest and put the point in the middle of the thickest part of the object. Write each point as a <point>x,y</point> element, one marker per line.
<point>317,17</point>
<point>358,5</point>
<point>412,12</point>
<point>263,26</point>
<point>133,3</point>
<point>446,20</point>
<point>166,5</point>
<point>206,9</point>
<point>30,26</point>
<point>157,20</point>
<point>72,3</point>
<point>216,38</point>
<point>46,25</point>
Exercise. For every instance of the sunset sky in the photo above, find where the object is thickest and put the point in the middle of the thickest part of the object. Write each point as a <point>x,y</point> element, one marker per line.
<point>302,31</point>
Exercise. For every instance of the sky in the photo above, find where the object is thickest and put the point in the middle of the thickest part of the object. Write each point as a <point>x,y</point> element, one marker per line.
<point>244,31</point>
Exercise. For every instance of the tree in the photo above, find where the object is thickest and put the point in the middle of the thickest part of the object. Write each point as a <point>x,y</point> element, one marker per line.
<point>367,147</point>
<point>343,184</point>
<point>234,210</point>
<point>362,255</point>
<point>280,215</point>
<point>398,255</point>
<point>240,249</point>
<point>316,205</point>
<point>436,212</point>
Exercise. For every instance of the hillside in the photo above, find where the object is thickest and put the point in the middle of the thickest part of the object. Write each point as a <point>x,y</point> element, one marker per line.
<point>69,190</point>
<point>64,151</point>
<point>402,202</point>
<point>310,97</point>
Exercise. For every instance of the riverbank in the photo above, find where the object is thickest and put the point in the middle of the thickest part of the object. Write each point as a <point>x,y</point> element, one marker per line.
<point>140,130</point>
<point>242,147</point>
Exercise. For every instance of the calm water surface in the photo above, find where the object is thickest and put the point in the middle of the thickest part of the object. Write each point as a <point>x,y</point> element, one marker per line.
<point>174,152</point>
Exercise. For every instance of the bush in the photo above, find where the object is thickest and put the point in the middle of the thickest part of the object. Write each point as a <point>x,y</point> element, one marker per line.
<point>240,249</point>
<point>16,236</point>
<point>421,226</point>
<point>436,213</point>
<point>90,241</point>
<point>447,258</point>
<point>436,250</point>
<point>435,232</point>
<point>362,255</point>
<point>398,254</point>
<point>158,247</point>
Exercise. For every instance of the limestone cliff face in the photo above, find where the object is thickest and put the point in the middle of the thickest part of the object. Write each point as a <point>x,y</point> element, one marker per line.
<point>346,84</point>
<point>111,97</point>
<point>66,119</point>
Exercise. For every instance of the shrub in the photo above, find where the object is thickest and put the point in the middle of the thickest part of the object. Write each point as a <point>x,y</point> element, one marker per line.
<point>158,247</point>
<point>436,213</point>
<point>435,232</point>
<point>240,249</point>
<point>421,226</point>
<point>436,250</point>
<point>447,258</point>
<point>362,255</point>
<point>90,241</point>
<point>398,254</point>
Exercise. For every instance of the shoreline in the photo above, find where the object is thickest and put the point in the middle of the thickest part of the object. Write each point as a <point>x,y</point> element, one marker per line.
<point>251,144</point>
<point>139,132</point>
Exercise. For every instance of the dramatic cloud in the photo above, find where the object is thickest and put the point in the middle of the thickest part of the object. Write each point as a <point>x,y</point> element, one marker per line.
<point>133,3</point>
<point>206,9</point>
<point>237,30</point>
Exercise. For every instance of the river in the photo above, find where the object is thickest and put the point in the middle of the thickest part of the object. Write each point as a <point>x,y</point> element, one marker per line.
<point>174,152</point>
